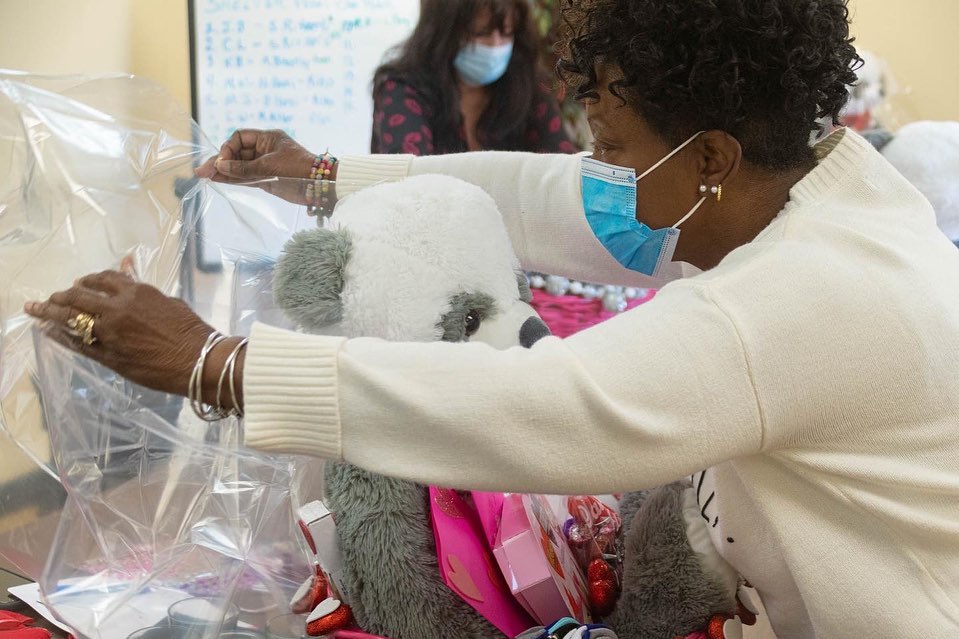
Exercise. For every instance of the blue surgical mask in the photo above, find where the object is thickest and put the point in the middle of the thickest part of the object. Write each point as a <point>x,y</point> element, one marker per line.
<point>609,199</point>
<point>480,65</point>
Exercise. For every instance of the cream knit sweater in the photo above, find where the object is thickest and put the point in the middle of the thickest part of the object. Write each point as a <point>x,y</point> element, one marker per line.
<point>814,373</point>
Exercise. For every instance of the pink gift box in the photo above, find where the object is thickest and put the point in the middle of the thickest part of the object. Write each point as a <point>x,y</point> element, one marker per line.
<point>462,533</point>
<point>537,563</point>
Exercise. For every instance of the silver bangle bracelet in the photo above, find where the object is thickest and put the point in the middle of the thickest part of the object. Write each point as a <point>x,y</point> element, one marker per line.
<point>191,387</point>
<point>204,412</point>
<point>228,367</point>
<point>236,404</point>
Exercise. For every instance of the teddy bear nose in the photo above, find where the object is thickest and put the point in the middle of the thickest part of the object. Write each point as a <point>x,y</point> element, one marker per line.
<point>532,330</point>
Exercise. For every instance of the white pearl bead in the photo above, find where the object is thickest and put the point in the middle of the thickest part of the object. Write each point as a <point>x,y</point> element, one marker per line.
<point>556,285</point>
<point>614,303</point>
<point>614,298</point>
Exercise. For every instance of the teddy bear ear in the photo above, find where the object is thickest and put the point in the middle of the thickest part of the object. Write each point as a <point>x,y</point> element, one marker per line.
<point>308,281</point>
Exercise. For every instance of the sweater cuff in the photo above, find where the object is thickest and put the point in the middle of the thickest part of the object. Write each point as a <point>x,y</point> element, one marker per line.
<point>356,172</point>
<point>290,393</point>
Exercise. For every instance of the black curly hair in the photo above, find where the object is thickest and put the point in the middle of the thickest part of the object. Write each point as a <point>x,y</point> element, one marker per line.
<point>764,71</point>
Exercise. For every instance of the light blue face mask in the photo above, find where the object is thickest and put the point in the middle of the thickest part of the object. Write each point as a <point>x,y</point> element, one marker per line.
<point>609,199</point>
<point>480,65</point>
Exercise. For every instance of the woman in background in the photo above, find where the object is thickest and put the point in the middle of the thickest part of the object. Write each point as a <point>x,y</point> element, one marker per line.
<point>470,79</point>
<point>467,80</point>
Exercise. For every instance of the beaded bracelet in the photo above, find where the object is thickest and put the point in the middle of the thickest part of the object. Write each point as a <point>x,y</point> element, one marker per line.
<point>319,189</point>
<point>323,166</point>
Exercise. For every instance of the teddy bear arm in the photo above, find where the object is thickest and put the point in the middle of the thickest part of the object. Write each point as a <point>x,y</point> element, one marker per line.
<point>666,592</point>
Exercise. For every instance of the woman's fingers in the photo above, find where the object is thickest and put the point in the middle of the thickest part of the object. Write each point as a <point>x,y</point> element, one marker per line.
<point>242,169</point>
<point>135,329</point>
<point>89,295</point>
<point>62,309</point>
<point>56,313</point>
<point>65,305</point>
<point>59,322</point>
<point>246,140</point>
<point>232,149</point>
<point>251,153</point>
<point>128,267</point>
<point>207,169</point>
<point>111,282</point>
<point>82,299</point>
<point>75,343</point>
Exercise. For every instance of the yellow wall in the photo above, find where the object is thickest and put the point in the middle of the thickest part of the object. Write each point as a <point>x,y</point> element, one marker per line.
<point>72,36</point>
<point>918,40</point>
<point>161,47</point>
<point>149,38</point>
<point>143,37</point>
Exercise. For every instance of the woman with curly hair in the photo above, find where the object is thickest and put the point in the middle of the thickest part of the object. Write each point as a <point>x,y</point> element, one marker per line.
<point>805,352</point>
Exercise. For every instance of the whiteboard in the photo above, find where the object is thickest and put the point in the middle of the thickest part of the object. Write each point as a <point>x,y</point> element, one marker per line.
<point>304,66</point>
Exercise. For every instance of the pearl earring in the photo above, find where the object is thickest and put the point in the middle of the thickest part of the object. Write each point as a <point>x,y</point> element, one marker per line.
<point>702,188</point>
<point>714,190</point>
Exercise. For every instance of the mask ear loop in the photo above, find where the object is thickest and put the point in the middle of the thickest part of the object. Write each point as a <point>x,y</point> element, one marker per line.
<point>668,157</point>
<point>690,214</point>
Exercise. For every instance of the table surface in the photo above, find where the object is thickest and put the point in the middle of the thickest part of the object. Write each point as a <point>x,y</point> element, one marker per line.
<point>8,579</point>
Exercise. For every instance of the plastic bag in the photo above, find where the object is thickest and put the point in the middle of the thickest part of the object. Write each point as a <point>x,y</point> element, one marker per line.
<point>156,516</point>
<point>149,506</point>
<point>68,170</point>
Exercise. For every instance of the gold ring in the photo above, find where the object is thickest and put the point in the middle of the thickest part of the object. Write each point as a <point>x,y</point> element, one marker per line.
<point>82,326</point>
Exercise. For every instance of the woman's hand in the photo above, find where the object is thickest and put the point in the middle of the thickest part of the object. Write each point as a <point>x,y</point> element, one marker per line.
<point>250,154</point>
<point>139,332</point>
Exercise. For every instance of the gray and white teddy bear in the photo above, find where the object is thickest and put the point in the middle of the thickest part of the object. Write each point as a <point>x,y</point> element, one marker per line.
<point>403,262</point>
<point>429,259</point>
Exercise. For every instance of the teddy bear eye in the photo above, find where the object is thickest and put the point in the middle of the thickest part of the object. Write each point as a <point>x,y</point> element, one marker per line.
<point>473,321</point>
